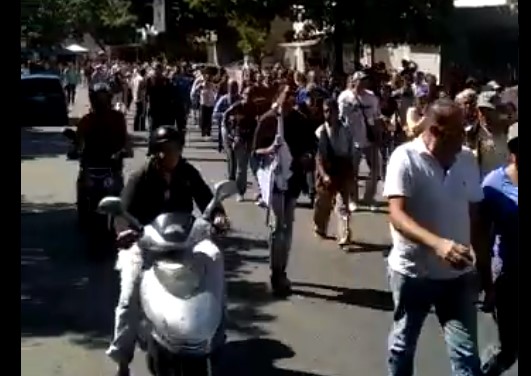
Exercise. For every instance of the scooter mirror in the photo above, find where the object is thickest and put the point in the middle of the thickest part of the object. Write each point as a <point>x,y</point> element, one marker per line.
<point>224,189</point>
<point>69,134</point>
<point>111,206</point>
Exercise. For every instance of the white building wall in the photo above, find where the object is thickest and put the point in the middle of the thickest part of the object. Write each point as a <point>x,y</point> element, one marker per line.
<point>428,58</point>
<point>479,3</point>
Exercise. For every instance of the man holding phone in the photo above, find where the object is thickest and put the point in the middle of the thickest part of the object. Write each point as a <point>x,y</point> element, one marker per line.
<point>433,188</point>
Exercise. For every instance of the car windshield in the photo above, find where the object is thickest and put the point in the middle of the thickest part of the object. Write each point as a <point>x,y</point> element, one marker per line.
<point>41,87</point>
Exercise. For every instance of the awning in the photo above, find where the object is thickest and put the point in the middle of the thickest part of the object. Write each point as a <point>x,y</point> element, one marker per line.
<point>76,48</point>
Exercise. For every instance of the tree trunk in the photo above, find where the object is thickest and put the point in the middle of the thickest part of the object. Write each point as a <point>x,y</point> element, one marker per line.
<point>358,46</point>
<point>337,40</point>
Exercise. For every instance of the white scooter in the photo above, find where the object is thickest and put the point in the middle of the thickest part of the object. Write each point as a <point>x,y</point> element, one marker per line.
<point>183,290</point>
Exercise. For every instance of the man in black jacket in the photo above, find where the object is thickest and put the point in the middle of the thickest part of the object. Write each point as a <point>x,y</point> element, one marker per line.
<point>167,183</point>
<point>300,139</point>
<point>160,99</point>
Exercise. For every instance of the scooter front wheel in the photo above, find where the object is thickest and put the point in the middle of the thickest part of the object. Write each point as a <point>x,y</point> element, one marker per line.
<point>179,366</point>
<point>196,367</point>
<point>160,362</point>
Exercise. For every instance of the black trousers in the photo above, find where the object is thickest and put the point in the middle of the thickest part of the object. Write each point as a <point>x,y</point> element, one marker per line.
<point>506,316</point>
<point>181,119</point>
<point>139,123</point>
<point>205,120</point>
<point>70,93</point>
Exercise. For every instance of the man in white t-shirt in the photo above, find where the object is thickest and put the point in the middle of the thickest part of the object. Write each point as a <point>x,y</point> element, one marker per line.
<point>100,75</point>
<point>433,188</point>
<point>139,89</point>
<point>359,109</point>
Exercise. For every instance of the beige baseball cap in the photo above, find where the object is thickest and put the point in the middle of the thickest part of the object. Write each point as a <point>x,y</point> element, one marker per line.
<point>513,132</point>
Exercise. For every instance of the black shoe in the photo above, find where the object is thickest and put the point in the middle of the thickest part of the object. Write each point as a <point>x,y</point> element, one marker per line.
<point>280,285</point>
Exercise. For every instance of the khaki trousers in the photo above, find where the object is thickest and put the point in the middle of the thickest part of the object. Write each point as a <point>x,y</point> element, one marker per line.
<point>338,194</point>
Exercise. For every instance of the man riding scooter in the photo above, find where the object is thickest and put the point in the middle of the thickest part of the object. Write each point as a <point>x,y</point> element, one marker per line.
<point>166,183</point>
<point>100,140</point>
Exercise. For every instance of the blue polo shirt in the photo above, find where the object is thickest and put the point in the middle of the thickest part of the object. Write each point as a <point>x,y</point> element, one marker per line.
<point>501,209</point>
<point>302,94</point>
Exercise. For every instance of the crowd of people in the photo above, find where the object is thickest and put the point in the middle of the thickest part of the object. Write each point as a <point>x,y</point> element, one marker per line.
<point>448,160</point>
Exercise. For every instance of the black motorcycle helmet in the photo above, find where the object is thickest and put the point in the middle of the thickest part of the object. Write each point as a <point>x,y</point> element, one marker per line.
<point>162,135</point>
<point>100,92</point>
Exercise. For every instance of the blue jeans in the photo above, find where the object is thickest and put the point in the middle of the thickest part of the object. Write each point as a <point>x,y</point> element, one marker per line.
<point>454,303</point>
<point>281,231</point>
<point>238,164</point>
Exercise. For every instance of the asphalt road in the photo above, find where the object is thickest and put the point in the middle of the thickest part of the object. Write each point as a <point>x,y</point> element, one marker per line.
<point>336,323</point>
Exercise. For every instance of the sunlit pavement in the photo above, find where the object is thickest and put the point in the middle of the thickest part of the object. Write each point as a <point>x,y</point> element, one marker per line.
<point>336,324</point>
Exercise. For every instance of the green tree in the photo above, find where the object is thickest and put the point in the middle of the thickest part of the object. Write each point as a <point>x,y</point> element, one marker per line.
<point>252,36</point>
<point>379,22</point>
<point>48,22</point>
<point>107,21</point>
<point>44,21</point>
<point>251,19</point>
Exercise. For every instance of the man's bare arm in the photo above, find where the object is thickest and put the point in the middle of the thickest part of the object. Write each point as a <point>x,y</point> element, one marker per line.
<point>407,226</point>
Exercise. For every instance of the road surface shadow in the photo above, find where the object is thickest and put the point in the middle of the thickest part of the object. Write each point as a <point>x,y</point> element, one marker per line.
<point>36,143</point>
<point>368,298</point>
<point>61,293</point>
<point>73,121</point>
<point>381,208</point>
<point>246,297</point>
<point>203,160</point>
<point>203,147</point>
<point>139,141</point>
<point>256,357</point>
<point>363,247</point>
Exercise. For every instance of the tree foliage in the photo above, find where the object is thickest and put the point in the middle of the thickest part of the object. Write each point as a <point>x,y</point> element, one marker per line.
<point>252,36</point>
<point>374,21</point>
<point>385,21</point>
<point>251,19</point>
<point>47,22</point>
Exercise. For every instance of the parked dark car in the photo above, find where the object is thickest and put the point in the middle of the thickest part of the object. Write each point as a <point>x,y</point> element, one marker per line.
<point>43,101</point>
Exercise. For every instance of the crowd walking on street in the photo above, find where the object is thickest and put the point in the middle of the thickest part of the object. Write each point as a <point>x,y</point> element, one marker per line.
<point>447,157</point>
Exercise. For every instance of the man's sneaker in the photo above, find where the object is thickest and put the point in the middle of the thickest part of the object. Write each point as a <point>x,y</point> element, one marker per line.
<point>280,285</point>
<point>260,203</point>
<point>123,370</point>
<point>373,208</point>
<point>240,198</point>
<point>352,207</point>
<point>320,233</point>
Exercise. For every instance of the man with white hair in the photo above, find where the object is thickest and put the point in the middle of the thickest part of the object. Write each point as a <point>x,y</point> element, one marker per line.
<point>493,86</point>
<point>359,109</point>
<point>433,188</point>
<point>99,76</point>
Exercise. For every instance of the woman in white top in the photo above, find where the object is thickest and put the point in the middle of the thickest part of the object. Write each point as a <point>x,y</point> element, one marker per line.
<point>415,119</point>
<point>206,91</point>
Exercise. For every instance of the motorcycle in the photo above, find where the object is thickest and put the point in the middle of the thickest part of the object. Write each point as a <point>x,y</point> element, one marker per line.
<point>182,290</point>
<point>94,183</point>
